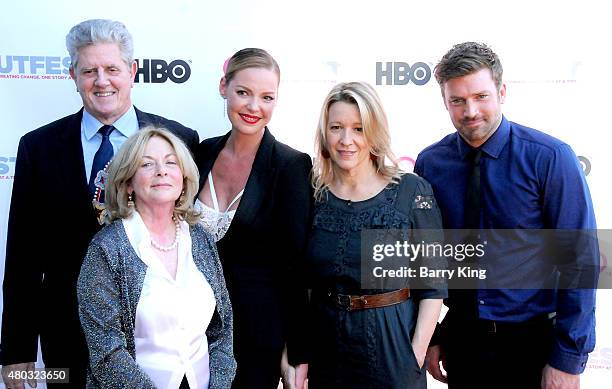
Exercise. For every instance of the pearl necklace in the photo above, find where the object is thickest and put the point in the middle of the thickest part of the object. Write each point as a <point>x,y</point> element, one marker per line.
<point>174,243</point>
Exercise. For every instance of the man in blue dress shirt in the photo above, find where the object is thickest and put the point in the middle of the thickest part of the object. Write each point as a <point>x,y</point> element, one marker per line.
<point>521,337</point>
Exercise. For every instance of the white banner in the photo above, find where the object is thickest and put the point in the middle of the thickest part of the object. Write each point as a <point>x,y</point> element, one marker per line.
<point>555,57</point>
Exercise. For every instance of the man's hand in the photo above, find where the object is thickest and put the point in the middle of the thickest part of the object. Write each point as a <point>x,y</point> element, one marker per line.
<point>435,356</point>
<point>17,369</point>
<point>556,379</point>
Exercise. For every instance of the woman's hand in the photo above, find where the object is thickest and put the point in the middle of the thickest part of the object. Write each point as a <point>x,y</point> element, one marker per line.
<point>301,373</point>
<point>293,377</point>
<point>287,372</point>
<point>429,311</point>
<point>420,350</point>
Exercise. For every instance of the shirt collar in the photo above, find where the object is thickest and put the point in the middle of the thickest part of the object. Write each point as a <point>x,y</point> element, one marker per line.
<point>127,124</point>
<point>137,231</point>
<point>493,146</point>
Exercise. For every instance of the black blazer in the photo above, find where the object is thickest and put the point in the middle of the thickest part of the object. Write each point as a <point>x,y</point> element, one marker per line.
<point>51,222</point>
<point>264,246</point>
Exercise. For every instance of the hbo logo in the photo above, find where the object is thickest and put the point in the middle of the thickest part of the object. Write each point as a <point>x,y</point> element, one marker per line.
<point>585,163</point>
<point>158,71</point>
<point>401,73</point>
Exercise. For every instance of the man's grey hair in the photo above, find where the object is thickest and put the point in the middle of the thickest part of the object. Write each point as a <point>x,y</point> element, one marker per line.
<point>95,31</point>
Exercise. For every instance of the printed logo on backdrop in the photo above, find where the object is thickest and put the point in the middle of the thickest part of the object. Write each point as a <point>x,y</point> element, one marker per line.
<point>402,73</point>
<point>406,163</point>
<point>585,163</point>
<point>35,67</point>
<point>38,67</point>
<point>158,71</point>
<point>7,167</point>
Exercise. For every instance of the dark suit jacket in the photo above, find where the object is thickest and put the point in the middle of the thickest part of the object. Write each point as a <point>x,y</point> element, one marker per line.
<point>263,248</point>
<point>51,222</point>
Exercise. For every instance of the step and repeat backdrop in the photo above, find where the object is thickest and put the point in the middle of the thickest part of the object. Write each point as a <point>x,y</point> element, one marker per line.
<point>555,57</point>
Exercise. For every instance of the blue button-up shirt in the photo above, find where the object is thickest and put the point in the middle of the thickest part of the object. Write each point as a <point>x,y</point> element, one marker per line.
<point>529,180</point>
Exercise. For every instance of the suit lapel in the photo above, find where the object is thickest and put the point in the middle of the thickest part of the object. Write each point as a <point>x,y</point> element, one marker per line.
<point>72,167</point>
<point>262,173</point>
<point>143,118</point>
<point>71,158</point>
<point>209,159</point>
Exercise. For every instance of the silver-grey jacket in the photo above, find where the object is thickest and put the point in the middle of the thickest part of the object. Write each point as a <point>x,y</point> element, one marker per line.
<point>108,290</point>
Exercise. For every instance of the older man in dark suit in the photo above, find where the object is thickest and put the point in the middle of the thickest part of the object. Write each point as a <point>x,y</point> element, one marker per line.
<point>52,217</point>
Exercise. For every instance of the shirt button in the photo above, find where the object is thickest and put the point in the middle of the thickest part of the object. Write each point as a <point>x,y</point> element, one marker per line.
<point>481,302</point>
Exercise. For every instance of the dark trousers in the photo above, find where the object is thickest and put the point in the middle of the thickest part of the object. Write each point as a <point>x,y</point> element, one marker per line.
<point>486,354</point>
<point>257,369</point>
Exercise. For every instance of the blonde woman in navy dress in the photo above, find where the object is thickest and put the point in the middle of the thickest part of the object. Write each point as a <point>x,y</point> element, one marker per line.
<point>364,338</point>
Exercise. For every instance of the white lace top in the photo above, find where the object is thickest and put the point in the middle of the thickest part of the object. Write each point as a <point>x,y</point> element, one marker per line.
<point>212,219</point>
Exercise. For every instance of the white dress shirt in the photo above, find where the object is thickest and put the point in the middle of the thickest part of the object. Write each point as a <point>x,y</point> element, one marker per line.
<point>172,315</point>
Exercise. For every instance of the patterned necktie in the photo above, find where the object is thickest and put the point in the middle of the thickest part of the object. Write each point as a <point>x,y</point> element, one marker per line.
<point>103,155</point>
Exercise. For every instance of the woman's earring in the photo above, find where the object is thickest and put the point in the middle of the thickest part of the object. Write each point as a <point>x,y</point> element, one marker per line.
<point>130,202</point>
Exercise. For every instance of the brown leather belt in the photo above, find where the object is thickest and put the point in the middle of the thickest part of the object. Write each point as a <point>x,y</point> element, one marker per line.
<point>354,303</point>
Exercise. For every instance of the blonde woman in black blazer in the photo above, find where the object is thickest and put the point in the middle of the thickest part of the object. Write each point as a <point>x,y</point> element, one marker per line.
<point>255,196</point>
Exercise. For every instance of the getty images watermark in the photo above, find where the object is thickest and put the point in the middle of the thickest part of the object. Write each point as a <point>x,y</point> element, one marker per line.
<point>411,252</point>
<point>485,259</point>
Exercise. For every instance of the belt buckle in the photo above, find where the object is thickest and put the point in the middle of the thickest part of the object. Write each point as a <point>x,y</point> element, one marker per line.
<point>344,301</point>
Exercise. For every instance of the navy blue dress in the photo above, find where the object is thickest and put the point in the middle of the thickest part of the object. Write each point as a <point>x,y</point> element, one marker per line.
<point>368,348</point>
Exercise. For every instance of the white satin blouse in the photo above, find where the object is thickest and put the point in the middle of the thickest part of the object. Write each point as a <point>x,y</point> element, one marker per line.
<point>172,315</point>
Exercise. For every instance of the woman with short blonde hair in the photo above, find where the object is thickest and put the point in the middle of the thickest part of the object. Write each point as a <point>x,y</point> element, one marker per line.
<point>152,298</point>
<point>127,162</point>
